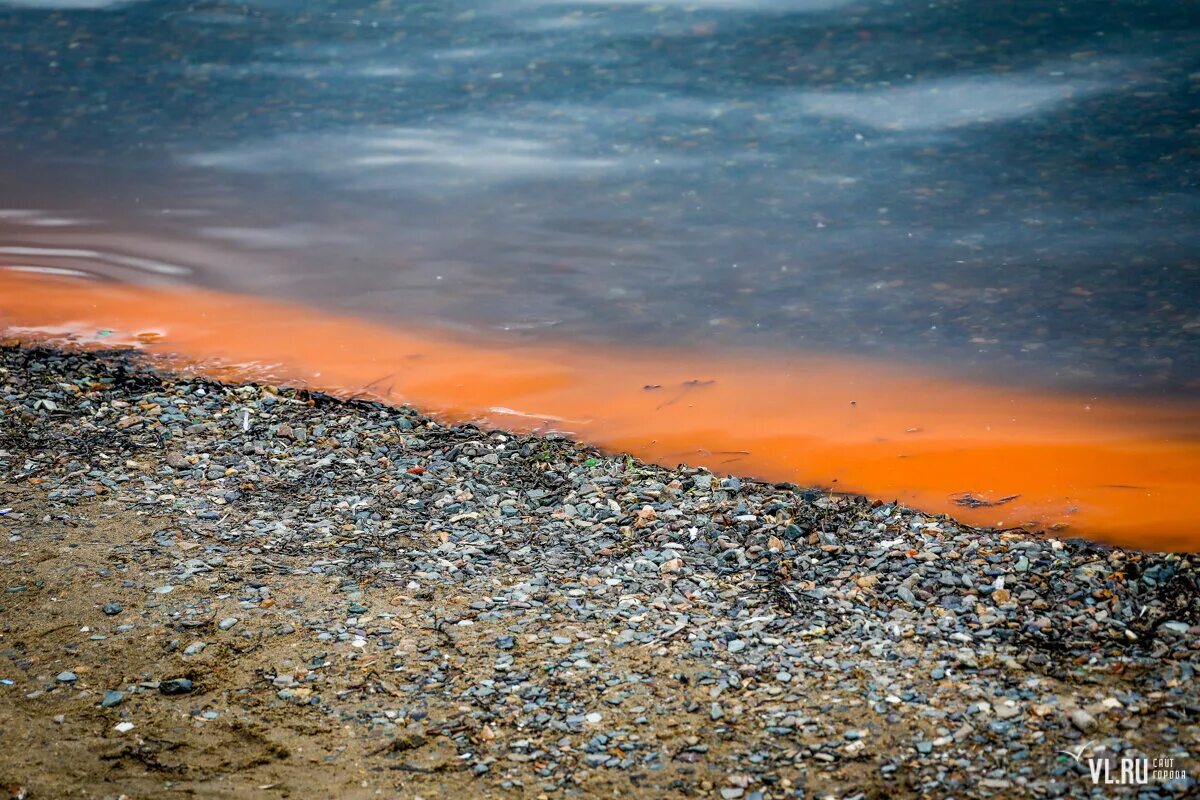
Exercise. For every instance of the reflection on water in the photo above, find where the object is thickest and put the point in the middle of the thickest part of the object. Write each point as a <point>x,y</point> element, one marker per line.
<point>1006,187</point>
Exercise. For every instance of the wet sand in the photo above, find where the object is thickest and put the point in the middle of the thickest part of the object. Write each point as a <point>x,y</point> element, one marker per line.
<point>1120,470</point>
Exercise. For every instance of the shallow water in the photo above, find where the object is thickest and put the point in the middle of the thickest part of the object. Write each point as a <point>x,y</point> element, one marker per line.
<point>1120,471</point>
<point>1005,193</point>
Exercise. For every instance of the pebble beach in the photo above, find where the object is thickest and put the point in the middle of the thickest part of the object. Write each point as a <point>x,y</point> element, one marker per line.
<point>244,590</point>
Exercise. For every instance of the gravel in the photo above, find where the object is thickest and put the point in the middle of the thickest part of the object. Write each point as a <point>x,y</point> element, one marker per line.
<point>526,615</point>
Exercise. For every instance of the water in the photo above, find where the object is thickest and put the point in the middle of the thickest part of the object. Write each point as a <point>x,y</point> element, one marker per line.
<point>1008,189</point>
<point>944,252</point>
<point>1116,470</point>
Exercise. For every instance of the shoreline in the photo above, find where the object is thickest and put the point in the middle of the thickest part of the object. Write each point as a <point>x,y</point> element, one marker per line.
<point>1110,469</point>
<point>363,600</point>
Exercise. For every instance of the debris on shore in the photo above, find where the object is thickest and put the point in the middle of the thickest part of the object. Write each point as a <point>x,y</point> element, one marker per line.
<point>261,591</point>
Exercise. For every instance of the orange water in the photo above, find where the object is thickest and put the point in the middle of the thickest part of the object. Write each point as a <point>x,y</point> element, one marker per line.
<point>1117,470</point>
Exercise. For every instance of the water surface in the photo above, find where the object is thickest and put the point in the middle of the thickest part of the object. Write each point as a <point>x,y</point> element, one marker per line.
<point>1120,471</point>
<point>1007,187</point>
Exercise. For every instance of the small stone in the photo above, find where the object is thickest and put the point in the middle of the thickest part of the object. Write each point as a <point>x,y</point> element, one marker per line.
<point>925,748</point>
<point>175,686</point>
<point>967,658</point>
<point>227,623</point>
<point>112,698</point>
<point>737,646</point>
<point>1008,710</point>
<point>1082,720</point>
<point>66,677</point>
<point>195,648</point>
<point>112,609</point>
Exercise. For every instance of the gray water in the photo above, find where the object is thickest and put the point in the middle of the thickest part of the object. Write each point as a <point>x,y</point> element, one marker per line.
<point>1008,189</point>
